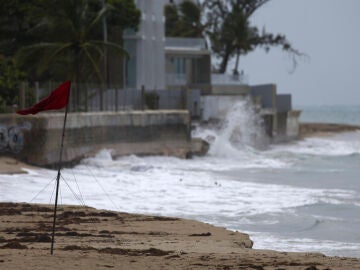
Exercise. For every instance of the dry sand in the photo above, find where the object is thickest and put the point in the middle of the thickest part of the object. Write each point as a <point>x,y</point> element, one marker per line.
<point>9,165</point>
<point>87,238</point>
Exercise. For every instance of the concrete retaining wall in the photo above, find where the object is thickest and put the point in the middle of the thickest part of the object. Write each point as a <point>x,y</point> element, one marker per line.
<point>267,92</point>
<point>283,103</point>
<point>36,139</point>
<point>223,89</point>
<point>293,125</point>
<point>216,107</point>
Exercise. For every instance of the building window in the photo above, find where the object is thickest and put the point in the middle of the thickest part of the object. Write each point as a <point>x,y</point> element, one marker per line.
<point>179,65</point>
<point>130,64</point>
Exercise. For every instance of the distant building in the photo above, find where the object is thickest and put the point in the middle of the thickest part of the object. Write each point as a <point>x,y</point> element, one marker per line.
<point>157,63</point>
<point>187,64</point>
<point>146,47</point>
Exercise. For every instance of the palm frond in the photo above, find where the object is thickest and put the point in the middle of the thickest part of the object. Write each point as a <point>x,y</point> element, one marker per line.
<point>52,57</point>
<point>111,45</point>
<point>94,64</point>
<point>99,16</point>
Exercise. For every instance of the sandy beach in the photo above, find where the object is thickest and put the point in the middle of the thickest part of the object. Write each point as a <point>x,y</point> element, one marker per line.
<point>9,165</point>
<point>88,238</point>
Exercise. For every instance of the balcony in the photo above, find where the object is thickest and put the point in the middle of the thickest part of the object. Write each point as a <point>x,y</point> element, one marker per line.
<point>228,79</point>
<point>176,79</point>
<point>186,43</point>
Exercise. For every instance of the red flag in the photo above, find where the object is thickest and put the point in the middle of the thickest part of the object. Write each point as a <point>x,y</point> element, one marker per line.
<point>58,99</point>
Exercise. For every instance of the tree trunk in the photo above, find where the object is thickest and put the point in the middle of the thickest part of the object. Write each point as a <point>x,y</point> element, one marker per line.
<point>225,60</point>
<point>236,67</point>
<point>224,63</point>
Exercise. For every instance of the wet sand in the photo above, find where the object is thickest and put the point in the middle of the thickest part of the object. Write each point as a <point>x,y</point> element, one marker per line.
<point>87,238</point>
<point>9,165</point>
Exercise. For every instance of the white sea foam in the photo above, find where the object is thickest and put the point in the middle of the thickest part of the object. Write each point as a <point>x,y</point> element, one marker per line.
<point>169,186</point>
<point>240,129</point>
<point>331,248</point>
<point>228,187</point>
<point>239,138</point>
<point>339,145</point>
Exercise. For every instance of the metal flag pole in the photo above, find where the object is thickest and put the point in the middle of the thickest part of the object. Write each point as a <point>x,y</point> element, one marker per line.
<point>58,180</point>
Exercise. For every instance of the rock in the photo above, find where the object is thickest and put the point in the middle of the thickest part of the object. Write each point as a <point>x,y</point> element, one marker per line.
<point>199,147</point>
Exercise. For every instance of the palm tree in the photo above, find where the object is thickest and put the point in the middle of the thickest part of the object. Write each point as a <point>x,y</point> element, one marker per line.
<point>70,47</point>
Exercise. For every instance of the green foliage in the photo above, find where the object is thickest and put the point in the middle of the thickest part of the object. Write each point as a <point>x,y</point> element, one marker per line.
<point>123,15</point>
<point>232,34</point>
<point>226,25</point>
<point>152,100</point>
<point>59,40</point>
<point>183,20</point>
<point>10,77</point>
<point>69,48</point>
<point>172,19</point>
<point>2,105</point>
<point>49,36</point>
<point>15,22</point>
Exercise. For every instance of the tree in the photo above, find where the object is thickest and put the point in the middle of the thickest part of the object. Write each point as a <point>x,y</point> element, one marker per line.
<point>71,45</point>
<point>60,40</point>
<point>232,35</point>
<point>71,41</point>
<point>171,13</point>
<point>124,14</point>
<point>227,28</point>
<point>14,25</point>
<point>36,23</point>
<point>184,20</point>
<point>10,77</point>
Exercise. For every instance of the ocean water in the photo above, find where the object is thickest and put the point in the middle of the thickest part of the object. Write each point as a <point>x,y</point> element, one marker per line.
<point>331,114</point>
<point>299,196</point>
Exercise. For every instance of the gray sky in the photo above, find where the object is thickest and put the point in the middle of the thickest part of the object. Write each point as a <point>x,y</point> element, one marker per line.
<point>328,31</point>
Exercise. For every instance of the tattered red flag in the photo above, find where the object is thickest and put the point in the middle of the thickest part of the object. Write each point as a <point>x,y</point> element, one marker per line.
<point>57,100</point>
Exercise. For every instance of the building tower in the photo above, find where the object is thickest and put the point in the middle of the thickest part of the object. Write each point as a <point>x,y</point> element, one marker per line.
<point>146,65</point>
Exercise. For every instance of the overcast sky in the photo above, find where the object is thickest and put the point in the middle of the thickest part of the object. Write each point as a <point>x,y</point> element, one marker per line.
<point>329,32</point>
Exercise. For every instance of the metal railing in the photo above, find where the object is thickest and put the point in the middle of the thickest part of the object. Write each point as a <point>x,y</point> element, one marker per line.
<point>189,43</point>
<point>228,79</point>
<point>95,98</point>
<point>176,79</point>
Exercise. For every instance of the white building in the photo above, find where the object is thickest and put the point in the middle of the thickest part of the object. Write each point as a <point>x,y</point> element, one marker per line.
<point>158,63</point>
<point>146,48</point>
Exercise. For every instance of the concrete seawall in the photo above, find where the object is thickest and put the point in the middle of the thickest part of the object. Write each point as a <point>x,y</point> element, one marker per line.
<point>36,139</point>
